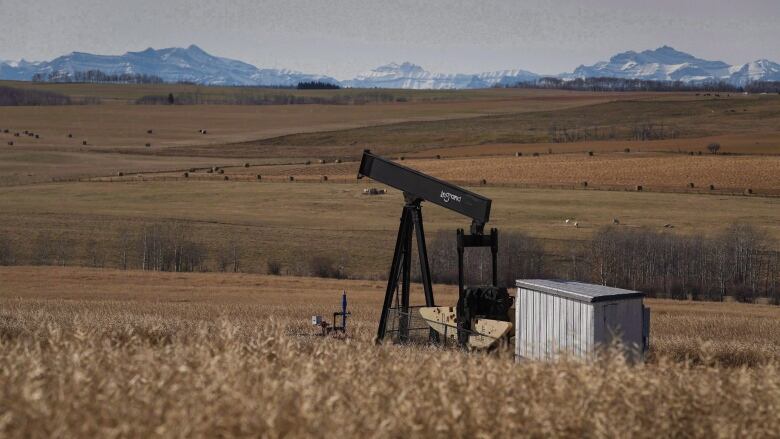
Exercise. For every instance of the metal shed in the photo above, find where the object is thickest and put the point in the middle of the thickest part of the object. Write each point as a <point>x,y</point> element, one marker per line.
<point>554,317</point>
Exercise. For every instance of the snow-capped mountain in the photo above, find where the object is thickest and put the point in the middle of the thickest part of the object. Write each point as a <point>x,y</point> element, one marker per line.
<point>194,65</point>
<point>172,65</point>
<point>668,64</point>
<point>761,70</point>
<point>412,76</point>
<point>662,64</point>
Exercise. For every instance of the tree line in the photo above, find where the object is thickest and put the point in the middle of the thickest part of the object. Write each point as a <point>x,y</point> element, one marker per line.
<point>605,84</point>
<point>97,77</point>
<point>317,85</point>
<point>12,96</point>
<point>368,97</point>
<point>739,261</point>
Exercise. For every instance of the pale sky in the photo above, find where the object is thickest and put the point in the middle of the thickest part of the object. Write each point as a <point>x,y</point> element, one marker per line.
<point>342,38</point>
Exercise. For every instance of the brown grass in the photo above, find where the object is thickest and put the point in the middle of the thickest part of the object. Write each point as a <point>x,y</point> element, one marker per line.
<point>229,355</point>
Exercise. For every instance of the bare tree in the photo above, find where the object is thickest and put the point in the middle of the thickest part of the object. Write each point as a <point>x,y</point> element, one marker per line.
<point>713,148</point>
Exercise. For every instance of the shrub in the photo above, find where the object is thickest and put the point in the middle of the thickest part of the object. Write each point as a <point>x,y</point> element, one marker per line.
<point>274,267</point>
<point>327,267</point>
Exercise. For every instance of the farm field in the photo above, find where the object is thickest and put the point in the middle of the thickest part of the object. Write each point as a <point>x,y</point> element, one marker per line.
<point>101,352</point>
<point>281,221</point>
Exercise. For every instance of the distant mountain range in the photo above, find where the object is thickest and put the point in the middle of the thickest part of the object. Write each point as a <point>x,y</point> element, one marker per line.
<point>195,65</point>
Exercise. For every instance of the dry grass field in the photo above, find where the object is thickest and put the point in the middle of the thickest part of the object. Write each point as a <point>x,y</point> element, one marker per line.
<point>112,353</point>
<point>118,353</point>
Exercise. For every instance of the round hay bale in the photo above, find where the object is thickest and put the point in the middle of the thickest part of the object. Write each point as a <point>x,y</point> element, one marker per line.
<point>84,142</point>
<point>186,175</point>
<point>712,187</point>
<point>584,184</point>
<point>639,188</point>
<point>748,191</point>
<point>691,185</point>
<point>221,171</point>
<point>259,177</point>
<point>518,154</point>
<point>291,178</point>
<point>246,165</point>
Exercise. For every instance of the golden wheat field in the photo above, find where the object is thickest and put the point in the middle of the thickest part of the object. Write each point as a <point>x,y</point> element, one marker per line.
<point>110,353</point>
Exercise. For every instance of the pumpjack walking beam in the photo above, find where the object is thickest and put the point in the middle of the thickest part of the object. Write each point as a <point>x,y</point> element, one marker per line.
<point>418,187</point>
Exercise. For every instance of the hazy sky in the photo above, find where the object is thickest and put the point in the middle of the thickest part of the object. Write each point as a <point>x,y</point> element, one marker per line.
<point>345,37</point>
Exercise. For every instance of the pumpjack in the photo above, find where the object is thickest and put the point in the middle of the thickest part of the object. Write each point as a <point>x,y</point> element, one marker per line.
<point>481,317</point>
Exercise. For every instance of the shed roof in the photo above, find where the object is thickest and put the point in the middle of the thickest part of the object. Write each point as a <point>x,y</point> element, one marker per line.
<point>578,290</point>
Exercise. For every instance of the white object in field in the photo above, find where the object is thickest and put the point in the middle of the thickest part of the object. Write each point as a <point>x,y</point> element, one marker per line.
<point>316,320</point>
<point>555,317</point>
<point>443,319</point>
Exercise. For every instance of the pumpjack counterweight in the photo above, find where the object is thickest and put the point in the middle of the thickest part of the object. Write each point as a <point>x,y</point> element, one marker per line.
<point>418,187</point>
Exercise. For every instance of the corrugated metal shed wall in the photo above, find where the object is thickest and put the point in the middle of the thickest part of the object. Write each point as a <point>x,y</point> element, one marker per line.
<point>548,325</point>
